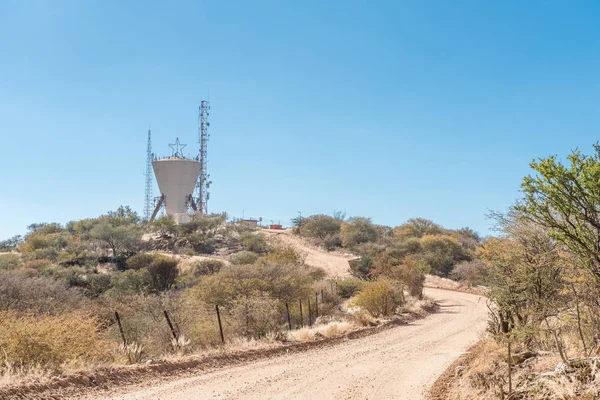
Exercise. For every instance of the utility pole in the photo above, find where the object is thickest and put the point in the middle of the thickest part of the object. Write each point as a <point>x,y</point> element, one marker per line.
<point>148,198</point>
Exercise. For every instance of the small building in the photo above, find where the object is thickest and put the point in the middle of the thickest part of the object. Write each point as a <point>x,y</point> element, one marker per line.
<point>252,223</point>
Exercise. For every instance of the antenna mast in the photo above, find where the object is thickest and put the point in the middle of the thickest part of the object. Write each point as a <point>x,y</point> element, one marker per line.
<point>148,199</point>
<point>203,183</point>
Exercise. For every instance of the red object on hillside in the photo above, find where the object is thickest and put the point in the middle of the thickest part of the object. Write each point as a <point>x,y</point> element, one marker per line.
<point>275,226</point>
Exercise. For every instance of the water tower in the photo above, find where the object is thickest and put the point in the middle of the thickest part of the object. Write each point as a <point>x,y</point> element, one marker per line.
<point>176,177</point>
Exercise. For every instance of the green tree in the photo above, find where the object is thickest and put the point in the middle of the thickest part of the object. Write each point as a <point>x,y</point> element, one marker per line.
<point>566,199</point>
<point>320,226</point>
<point>123,215</point>
<point>441,252</point>
<point>417,228</point>
<point>122,240</point>
<point>11,243</point>
<point>358,230</point>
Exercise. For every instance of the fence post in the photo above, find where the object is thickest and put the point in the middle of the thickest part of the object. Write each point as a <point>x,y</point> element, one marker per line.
<point>220,325</point>
<point>316,305</point>
<point>301,319</point>
<point>309,313</point>
<point>173,332</point>
<point>288,316</point>
<point>120,328</point>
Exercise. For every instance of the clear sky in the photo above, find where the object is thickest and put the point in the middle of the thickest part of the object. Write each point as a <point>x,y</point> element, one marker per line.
<point>387,109</point>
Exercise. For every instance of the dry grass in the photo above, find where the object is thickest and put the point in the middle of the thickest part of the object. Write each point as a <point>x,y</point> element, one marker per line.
<point>33,344</point>
<point>485,377</point>
<point>329,330</point>
<point>418,307</point>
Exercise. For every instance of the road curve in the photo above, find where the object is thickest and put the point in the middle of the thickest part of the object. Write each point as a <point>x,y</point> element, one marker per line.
<point>399,363</point>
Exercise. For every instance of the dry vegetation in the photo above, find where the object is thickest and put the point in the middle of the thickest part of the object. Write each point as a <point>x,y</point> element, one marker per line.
<point>61,287</point>
<point>542,272</point>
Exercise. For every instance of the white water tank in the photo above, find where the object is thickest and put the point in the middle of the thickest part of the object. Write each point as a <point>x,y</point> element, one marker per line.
<point>176,177</point>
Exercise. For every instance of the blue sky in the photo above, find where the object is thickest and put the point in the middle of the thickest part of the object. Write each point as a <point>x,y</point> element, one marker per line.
<point>387,109</point>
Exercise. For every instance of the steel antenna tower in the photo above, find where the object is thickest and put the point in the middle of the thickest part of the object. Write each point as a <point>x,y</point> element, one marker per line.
<point>148,198</point>
<point>203,183</point>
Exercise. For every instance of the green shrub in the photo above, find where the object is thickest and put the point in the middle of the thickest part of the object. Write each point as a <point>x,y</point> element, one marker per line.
<point>163,272</point>
<point>207,267</point>
<point>131,282</point>
<point>412,273</point>
<point>97,284</point>
<point>379,298</point>
<point>358,230</point>
<point>9,261</point>
<point>141,260</point>
<point>349,287</point>
<point>243,258</point>
<point>284,282</point>
<point>253,242</point>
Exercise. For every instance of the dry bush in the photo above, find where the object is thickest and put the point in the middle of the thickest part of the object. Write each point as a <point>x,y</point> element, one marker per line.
<point>254,317</point>
<point>38,265</point>
<point>331,242</point>
<point>144,322</point>
<point>49,341</point>
<point>244,257</point>
<point>379,298</point>
<point>38,295</point>
<point>285,255</point>
<point>206,267</point>
<point>471,272</point>
<point>417,306</point>
<point>362,318</point>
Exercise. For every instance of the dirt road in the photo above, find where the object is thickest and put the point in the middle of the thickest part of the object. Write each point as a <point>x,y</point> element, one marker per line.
<point>399,363</point>
<point>334,263</point>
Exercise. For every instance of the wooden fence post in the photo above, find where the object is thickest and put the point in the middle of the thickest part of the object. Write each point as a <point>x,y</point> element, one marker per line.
<point>316,305</point>
<point>121,328</point>
<point>220,325</point>
<point>173,332</point>
<point>288,316</point>
<point>301,318</point>
<point>309,313</point>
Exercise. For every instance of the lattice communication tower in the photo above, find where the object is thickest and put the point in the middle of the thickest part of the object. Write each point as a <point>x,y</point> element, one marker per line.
<point>203,184</point>
<point>148,198</point>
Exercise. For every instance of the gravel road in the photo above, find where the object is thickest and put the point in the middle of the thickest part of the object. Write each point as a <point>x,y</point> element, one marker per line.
<point>399,363</point>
